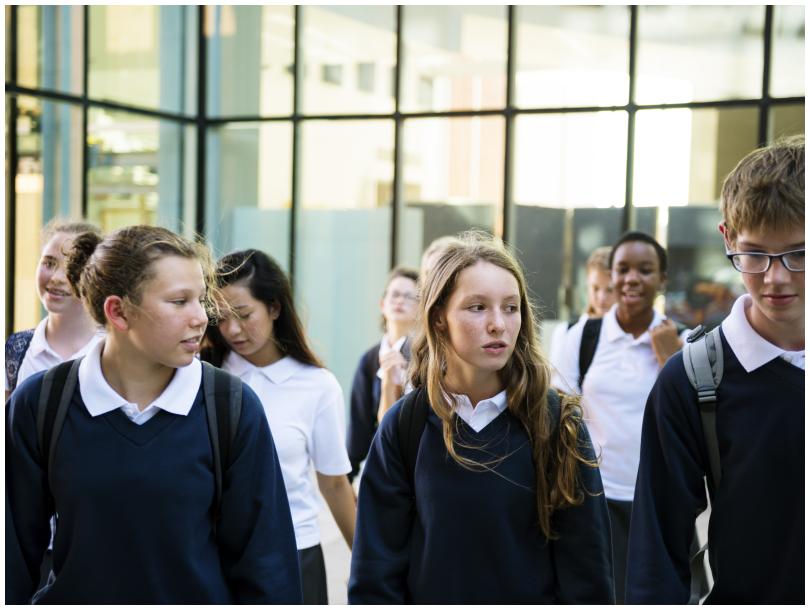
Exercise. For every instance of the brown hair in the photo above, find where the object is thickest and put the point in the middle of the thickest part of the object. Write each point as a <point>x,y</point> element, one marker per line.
<point>766,189</point>
<point>121,262</point>
<point>556,452</point>
<point>62,225</point>
<point>599,259</point>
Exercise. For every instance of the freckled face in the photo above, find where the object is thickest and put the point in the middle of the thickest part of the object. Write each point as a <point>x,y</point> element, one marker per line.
<point>168,324</point>
<point>482,318</point>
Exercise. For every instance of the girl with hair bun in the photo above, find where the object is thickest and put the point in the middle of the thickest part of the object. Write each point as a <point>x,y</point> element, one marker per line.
<point>503,501</point>
<point>262,341</point>
<point>67,331</point>
<point>132,474</point>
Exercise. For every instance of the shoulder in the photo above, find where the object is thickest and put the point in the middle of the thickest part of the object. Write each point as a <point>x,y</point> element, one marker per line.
<point>25,397</point>
<point>17,343</point>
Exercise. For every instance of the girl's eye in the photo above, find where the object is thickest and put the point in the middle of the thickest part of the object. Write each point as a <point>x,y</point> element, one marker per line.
<point>179,301</point>
<point>511,308</point>
<point>476,307</point>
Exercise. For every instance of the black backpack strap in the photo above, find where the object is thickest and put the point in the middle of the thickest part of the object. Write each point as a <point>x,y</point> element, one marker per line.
<point>222,394</point>
<point>587,347</point>
<point>55,394</point>
<point>16,347</point>
<point>412,419</point>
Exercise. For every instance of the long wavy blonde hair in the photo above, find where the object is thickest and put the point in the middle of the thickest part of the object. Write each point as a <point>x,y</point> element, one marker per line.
<point>526,378</point>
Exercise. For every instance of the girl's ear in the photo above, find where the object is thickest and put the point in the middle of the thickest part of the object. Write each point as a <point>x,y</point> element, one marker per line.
<point>115,312</point>
<point>274,310</point>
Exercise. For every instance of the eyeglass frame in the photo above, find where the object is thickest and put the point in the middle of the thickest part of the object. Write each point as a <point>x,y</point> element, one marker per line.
<point>781,256</point>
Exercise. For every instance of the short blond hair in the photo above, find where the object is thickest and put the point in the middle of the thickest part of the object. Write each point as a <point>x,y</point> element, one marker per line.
<point>766,189</point>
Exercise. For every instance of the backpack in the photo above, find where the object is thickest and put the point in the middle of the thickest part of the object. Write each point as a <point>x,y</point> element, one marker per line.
<point>703,361</point>
<point>222,394</point>
<point>590,337</point>
<point>16,348</point>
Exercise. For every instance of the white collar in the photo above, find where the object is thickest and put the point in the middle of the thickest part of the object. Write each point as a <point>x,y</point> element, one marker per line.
<point>750,348</point>
<point>484,412</point>
<point>278,372</point>
<point>39,343</point>
<point>386,347</point>
<point>614,332</point>
<point>98,396</point>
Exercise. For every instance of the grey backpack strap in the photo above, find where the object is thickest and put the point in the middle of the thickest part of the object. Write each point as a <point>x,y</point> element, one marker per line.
<point>703,361</point>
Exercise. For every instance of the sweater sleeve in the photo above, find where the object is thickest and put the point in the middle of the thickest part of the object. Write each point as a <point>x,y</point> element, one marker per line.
<point>669,492</point>
<point>581,551</point>
<point>381,549</point>
<point>362,415</point>
<point>255,533</point>
<point>28,501</point>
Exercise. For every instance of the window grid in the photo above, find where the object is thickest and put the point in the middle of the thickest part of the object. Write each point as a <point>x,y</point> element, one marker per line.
<point>509,112</point>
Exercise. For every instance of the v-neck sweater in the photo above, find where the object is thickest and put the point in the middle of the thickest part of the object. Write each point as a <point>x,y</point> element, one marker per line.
<point>474,536</point>
<point>756,527</point>
<point>135,506</point>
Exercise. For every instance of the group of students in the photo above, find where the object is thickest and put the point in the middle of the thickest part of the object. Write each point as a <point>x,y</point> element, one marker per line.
<point>490,475</point>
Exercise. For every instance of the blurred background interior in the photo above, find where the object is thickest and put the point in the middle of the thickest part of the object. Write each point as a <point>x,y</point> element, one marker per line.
<point>342,140</point>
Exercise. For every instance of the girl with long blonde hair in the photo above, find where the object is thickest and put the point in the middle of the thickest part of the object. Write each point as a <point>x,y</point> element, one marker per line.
<point>503,502</point>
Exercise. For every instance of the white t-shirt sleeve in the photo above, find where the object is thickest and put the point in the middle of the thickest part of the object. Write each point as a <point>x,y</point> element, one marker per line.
<point>565,372</point>
<point>328,447</point>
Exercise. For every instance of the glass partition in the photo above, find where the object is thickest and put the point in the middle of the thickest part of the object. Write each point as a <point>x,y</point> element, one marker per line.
<point>787,54</point>
<point>49,48</point>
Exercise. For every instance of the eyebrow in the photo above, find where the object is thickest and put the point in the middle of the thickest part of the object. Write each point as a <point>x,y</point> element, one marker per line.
<point>748,244</point>
<point>486,298</point>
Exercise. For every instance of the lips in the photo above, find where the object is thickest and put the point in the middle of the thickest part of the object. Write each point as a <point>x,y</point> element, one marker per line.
<point>779,299</point>
<point>192,342</point>
<point>495,347</point>
<point>57,293</point>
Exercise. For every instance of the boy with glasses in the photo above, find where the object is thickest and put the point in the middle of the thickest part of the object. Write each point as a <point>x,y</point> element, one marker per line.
<point>756,528</point>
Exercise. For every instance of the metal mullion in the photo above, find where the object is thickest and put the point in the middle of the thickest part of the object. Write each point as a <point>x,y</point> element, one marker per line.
<point>509,123</point>
<point>396,188</point>
<point>85,108</point>
<point>764,105</point>
<point>628,211</point>
<point>11,190</point>
<point>296,143</point>
<point>201,123</point>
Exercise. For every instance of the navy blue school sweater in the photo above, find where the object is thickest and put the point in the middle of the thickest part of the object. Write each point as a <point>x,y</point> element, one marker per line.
<point>474,536</point>
<point>135,509</point>
<point>364,404</point>
<point>756,528</point>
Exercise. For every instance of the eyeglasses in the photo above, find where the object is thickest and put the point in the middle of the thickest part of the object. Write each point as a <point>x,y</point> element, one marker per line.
<point>408,296</point>
<point>759,262</point>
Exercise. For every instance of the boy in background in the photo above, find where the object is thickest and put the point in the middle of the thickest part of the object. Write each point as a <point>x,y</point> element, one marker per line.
<point>756,528</point>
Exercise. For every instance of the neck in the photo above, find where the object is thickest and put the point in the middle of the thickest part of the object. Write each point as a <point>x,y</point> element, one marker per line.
<point>138,380</point>
<point>395,332</point>
<point>635,324</point>
<point>476,385</point>
<point>68,332</point>
<point>787,335</point>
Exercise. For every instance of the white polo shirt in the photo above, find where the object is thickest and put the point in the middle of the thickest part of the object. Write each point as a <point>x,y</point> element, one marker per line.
<point>99,397</point>
<point>305,409</point>
<point>41,357</point>
<point>615,392</point>
<point>750,348</point>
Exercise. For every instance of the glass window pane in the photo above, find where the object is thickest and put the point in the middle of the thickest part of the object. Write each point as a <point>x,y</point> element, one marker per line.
<point>47,184</point>
<point>135,170</point>
<point>343,246</point>
<point>259,41</point>
<point>572,56</point>
<point>786,120</point>
<point>697,53</point>
<point>682,156</point>
<point>349,54</point>
<point>249,188</point>
<point>452,180</point>
<point>787,55</point>
<point>49,47</point>
<point>568,188</point>
<point>143,56</point>
<point>454,58</point>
